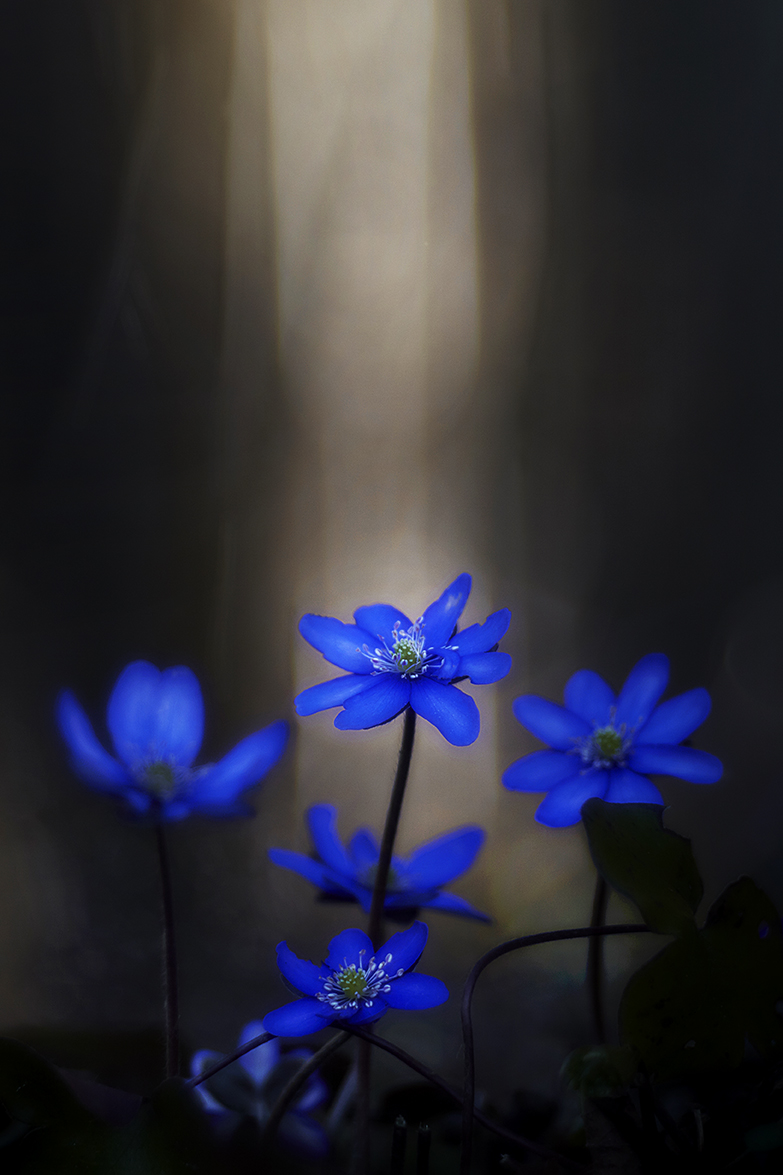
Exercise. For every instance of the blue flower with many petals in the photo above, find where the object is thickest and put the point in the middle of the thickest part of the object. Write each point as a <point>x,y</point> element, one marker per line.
<point>348,874</point>
<point>156,721</point>
<point>250,1087</point>
<point>356,984</point>
<point>605,746</point>
<point>393,662</point>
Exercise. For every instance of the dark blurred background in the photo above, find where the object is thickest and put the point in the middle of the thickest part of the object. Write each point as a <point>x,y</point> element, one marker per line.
<point>306,305</point>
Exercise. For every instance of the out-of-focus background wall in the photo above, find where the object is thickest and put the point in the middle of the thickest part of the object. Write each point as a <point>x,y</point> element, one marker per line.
<point>311,304</point>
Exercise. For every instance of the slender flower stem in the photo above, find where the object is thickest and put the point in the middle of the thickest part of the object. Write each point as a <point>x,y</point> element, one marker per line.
<point>595,958</point>
<point>229,1060</point>
<point>297,1081</point>
<point>374,931</point>
<point>390,828</point>
<point>437,1081</point>
<point>171,995</point>
<point>469,1113</point>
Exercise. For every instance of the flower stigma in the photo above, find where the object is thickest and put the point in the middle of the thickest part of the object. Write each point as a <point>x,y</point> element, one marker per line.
<point>353,984</point>
<point>408,656</point>
<point>159,779</point>
<point>605,747</point>
<point>392,879</point>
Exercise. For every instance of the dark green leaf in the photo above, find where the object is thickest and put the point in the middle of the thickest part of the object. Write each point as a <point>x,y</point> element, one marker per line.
<point>168,1136</point>
<point>32,1090</point>
<point>691,1008</point>
<point>646,862</point>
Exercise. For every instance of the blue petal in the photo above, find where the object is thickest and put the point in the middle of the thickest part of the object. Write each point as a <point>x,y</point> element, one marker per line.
<point>153,715</point>
<point>131,712</point>
<point>405,947</point>
<point>179,715</point>
<point>674,720</point>
<point>453,713</point>
<point>484,668</point>
<point>681,762</point>
<point>299,1018</point>
<point>376,705</point>
<point>201,1060</point>
<point>626,787</point>
<point>248,762</point>
<point>441,617</point>
<point>380,619</point>
<point>304,975</point>
<point>479,638</point>
<point>416,991</point>
<point>551,723</point>
<point>260,1061</point>
<point>88,758</point>
<point>340,643</point>
<point>322,822</point>
<point>643,687</point>
<point>563,805</point>
<point>451,903</point>
<point>315,1091</point>
<point>441,860</point>
<point>331,693</point>
<point>349,946</point>
<point>314,871</point>
<point>588,695</point>
<point>368,1012</point>
<point>364,849</point>
<point>300,1133</point>
<point>172,810</point>
<point>541,770</point>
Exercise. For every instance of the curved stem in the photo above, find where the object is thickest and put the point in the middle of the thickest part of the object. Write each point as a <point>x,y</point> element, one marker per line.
<point>432,1077</point>
<point>375,927</point>
<point>229,1060</point>
<point>468,1110</point>
<point>595,958</point>
<point>171,996</point>
<point>298,1080</point>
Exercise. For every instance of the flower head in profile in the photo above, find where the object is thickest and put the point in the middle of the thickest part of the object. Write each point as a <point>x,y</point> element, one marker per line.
<point>250,1087</point>
<point>347,873</point>
<point>156,722</point>
<point>606,746</point>
<point>355,985</point>
<point>394,662</point>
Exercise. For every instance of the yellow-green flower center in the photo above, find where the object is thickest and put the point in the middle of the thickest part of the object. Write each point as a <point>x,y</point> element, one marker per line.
<point>392,881</point>
<point>608,741</point>
<point>352,983</point>
<point>406,653</point>
<point>159,778</point>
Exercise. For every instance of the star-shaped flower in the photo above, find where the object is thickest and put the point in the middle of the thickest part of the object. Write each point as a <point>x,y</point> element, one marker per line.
<point>156,721</point>
<point>605,746</point>
<point>393,662</point>
<point>355,985</point>
<point>250,1087</point>
<point>348,874</point>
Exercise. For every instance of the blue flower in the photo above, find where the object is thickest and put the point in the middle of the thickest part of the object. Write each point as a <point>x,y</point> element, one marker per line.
<point>156,721</point>
<point>605,746</point>
<point>349,874</point>
<point>414,664</point>
<point>250,1087</point>
<point>355,985</point>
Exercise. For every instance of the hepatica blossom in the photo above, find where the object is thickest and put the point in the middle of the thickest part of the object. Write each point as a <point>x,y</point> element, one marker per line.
<point>355,985</point>
<point>394,662</point>
<point>156,721</point>
<point>605,746</point>
<point>250,1087</point>
<point>348,873</point>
